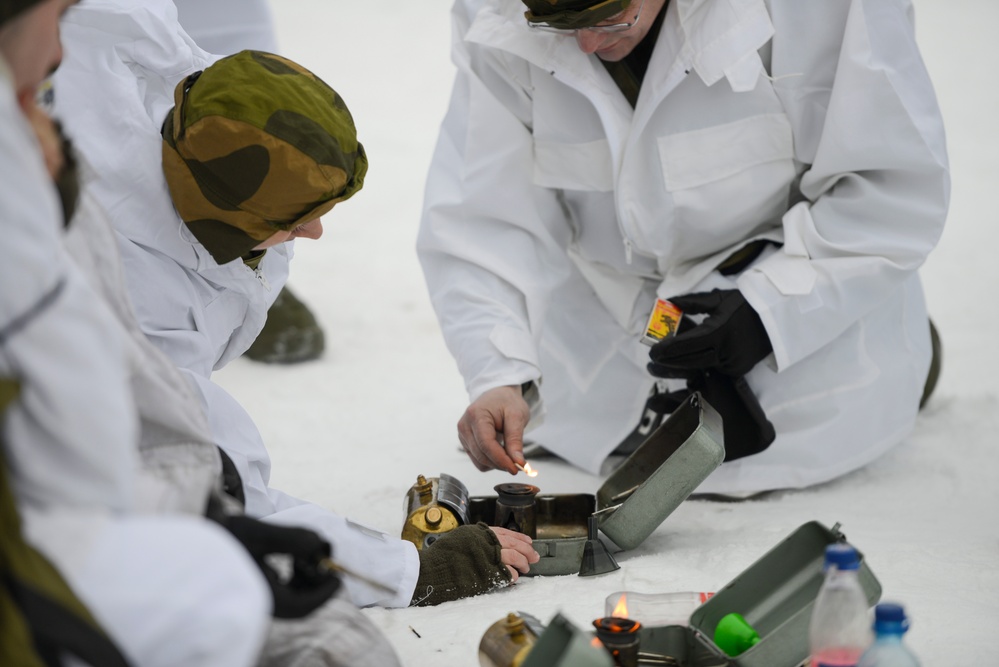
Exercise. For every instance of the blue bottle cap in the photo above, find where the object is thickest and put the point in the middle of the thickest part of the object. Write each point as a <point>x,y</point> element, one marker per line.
<point>843,556</point>
<point>890,618</point>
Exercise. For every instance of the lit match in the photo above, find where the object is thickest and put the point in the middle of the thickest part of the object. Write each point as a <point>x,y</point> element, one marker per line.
<point>527,470</point>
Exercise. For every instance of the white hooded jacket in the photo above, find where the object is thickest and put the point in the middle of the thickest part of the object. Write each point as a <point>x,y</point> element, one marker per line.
<point>69,447</point>
<point>112,92</point>
<point>555,214</point>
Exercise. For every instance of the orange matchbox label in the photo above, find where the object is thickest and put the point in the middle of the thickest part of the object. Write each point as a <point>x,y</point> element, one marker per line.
<point>663,322</point>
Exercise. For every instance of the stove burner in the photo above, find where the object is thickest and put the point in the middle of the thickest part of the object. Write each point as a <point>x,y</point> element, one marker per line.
<point>620,637</point>
<point>515,508</point>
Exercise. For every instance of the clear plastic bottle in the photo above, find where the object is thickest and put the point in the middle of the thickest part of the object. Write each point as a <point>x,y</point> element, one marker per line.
<point>654,609</point>
<point>840,629</point>
<point>890,623</point>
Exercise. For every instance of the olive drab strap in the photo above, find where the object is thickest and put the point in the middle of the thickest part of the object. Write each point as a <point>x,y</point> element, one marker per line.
<point>16,646</point>
<point>41,620</point>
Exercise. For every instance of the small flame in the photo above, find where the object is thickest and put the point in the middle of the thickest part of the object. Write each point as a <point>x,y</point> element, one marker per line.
<point>621,608</point>
<point>596,643</point>
<point>527,469</point>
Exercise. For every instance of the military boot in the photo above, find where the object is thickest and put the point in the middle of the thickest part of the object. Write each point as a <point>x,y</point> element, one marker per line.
<point>290,335</point>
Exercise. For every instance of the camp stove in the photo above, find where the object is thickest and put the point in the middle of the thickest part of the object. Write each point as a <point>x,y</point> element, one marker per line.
<point>508,641</point>
<point>516,508</point>
<point>433,507</point>
<point>631,503</point>
<point>621,639</point>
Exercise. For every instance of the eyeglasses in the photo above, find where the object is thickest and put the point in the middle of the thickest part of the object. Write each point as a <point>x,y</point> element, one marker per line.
<point>610,27</point>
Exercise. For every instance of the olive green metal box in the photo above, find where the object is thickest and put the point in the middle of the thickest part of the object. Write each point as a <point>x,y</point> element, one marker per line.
<point>775,595</point>
<point>634,500</point>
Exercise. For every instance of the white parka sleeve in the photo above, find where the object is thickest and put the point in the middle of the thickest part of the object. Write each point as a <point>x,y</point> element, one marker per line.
<point>877,188</point>
<point>362,549</point>
<point>492,244</point>
<point>70,437</point>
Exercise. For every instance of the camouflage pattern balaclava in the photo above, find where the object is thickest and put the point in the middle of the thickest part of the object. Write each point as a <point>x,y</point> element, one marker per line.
<point>256,144</point>
<point>11,8</point>
<point>572,14</point>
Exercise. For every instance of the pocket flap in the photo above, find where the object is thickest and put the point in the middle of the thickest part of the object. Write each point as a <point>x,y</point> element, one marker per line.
<point>691,159</point>
<point>563,166</point>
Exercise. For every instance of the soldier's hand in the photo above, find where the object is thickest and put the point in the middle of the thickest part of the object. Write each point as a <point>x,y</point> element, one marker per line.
<point>310,585</point>
<point>731,339</point>
<point>516,551</point>
<point>492,429</point>
<point>470,560</point>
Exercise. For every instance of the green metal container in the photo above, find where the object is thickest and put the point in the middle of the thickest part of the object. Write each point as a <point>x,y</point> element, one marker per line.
<point>775,594</point>
<point>561,644</point>
<point>634,500</point>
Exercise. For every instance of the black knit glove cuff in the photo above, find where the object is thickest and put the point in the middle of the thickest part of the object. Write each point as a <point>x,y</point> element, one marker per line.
<point>460,564</point>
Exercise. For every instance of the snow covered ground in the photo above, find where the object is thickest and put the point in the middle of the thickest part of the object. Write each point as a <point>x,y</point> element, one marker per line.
<point>353,430</point>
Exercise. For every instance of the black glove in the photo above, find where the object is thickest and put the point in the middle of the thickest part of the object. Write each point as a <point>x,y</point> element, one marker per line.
<point>731,339</point>
<point>745,427</point>
<point>459,564</point>
<point>310,584</point>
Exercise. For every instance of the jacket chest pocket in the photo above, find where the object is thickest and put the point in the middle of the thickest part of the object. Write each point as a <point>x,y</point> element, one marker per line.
<point>728,180</point>
<point>573,166</point>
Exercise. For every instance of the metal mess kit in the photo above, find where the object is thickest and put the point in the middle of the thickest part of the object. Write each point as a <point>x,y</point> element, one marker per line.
<point>633,501</point>
<point>774,596</point>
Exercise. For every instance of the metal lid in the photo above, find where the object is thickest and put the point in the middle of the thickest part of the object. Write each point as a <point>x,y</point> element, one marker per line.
<point>661,473</point>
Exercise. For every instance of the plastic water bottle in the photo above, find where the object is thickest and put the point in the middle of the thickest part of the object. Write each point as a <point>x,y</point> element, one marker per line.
<point>840,629</point>
<point>890,623</point>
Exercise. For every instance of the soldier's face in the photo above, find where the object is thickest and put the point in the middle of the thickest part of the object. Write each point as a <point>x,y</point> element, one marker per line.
<point>30,44</point>
<point>613,46</point>
<point>312,229</point>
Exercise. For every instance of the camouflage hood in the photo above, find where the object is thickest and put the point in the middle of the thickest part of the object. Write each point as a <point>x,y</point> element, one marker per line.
<point>11,8</point>
<point>256,144</point>
<point>572,14</point>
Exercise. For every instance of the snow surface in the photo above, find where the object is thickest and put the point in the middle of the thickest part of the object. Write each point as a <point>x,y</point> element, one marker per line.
<point>352,431</point>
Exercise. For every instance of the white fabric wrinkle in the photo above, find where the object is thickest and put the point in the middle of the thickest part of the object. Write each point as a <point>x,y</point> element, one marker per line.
<point>724,37</point>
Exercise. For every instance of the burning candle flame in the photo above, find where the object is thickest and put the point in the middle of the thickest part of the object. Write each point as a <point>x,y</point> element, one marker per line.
<point>528,470</point>
<point>621,608</point>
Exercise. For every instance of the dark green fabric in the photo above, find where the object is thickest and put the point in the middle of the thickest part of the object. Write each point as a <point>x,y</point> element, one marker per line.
<point>253,258</point>
<point>629,72</point>
<point>9,9</point>
<point>67,182</point>
<point>572,14</point>
<point>936,362</point>
<point>290,335</point>
<point>460,564</point>
<point>41,620</point>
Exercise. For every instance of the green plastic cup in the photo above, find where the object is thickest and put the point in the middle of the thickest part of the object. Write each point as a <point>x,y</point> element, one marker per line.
<point>734,635</point>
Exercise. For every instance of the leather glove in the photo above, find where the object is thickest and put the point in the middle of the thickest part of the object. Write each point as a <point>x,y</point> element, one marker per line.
<point>745,427</point>
<point>310,584</point>
<point>461,563</point>
<point>731,339</point>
